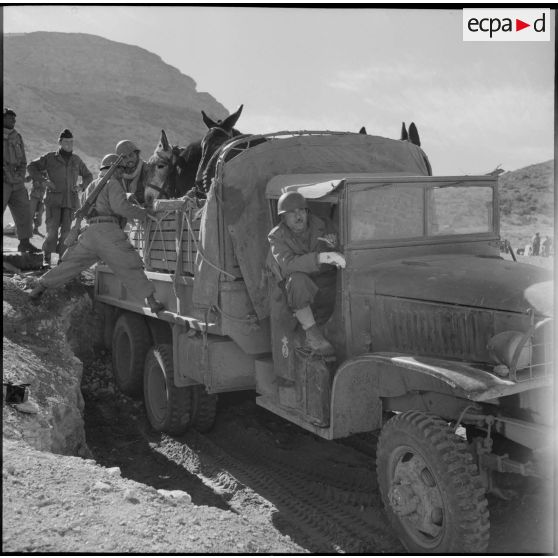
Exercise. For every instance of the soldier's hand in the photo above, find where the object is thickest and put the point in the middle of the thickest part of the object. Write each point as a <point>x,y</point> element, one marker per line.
<point>330,239</point>
<point>332,258</point>
<point>151,214</point>
<point>49,186</point>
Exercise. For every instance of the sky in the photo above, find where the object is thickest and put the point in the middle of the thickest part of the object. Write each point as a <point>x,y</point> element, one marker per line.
<point>477,105</point>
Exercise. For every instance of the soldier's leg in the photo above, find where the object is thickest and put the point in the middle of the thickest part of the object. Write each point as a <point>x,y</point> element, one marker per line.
<point>301,292</point>
<point>119,254</point>
<point>52,216</point>
<point>77,258</point>
<point>33,208</point>
<point>18,203</point>
<point>39,213</point>
<point>6,193</point>
<point>65,226</point>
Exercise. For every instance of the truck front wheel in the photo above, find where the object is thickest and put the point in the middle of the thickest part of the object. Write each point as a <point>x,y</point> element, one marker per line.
<point>130,343</point>
<point>168,407</point>
<point>430,486</point>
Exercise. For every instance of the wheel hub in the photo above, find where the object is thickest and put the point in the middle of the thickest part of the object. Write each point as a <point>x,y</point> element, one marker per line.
<point>403,499</point>
<point>415,497</point>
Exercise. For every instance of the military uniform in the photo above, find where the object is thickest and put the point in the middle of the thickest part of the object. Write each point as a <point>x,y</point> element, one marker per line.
<point>294,260</point>
<point>105,240</point>
<point>61,199</point>
<point>14,192</point>
<point>37,204</point>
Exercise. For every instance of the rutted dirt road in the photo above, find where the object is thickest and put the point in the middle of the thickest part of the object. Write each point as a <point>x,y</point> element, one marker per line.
<point>322,494</point>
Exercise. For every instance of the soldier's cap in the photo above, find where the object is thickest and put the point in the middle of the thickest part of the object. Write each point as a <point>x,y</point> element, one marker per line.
<point>65,134</point>
<point>9,111</point>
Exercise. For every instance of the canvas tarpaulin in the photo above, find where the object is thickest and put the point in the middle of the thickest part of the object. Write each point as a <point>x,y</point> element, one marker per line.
<point>239,196</point>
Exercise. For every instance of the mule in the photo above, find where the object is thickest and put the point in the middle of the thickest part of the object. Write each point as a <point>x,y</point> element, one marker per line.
<point>412,135</point>
<point>173,168</point>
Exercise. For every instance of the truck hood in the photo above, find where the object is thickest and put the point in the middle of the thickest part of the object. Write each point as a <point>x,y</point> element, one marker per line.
<point>474,281</point>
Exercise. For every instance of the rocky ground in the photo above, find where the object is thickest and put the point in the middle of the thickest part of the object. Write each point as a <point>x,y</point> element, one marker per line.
<point>87,474</point>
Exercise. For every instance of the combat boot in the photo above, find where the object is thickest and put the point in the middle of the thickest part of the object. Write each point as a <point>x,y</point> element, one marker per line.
<point>317,343</point>
<point>26,246</point>
<point>154,304</point>
<point>36,294</point>
<point>47,259</point>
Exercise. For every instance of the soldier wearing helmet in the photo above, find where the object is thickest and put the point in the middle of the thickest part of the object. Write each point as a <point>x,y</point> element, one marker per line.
<point>104,239</point>
<point>135,169</point>
<point>302,260</point>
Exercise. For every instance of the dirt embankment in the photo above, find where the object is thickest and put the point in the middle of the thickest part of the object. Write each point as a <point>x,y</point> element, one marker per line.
<point>65,503</point>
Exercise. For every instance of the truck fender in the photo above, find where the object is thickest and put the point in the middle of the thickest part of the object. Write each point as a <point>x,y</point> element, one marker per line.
<point>360,384</point>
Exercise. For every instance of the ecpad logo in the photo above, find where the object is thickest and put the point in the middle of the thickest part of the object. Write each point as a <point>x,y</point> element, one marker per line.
<point>506,24</point>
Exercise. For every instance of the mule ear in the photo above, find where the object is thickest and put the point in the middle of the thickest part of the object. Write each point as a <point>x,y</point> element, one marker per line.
<point>404,135</point>
<point>231,120</point>
<point>413,134</point>
<point>209,122</point>
<point>164,142</point>
<point>362,130</point>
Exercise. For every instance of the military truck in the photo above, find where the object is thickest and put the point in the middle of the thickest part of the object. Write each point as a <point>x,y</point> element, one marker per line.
<point>439,345</point>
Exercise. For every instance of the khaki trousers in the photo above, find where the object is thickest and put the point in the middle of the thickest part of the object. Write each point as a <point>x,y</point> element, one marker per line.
<point>106,242</point>
<point>57,218</point>
<point>15,197</point>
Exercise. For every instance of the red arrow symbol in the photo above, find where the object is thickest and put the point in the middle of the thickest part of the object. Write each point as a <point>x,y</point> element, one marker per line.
<point>519,25</point>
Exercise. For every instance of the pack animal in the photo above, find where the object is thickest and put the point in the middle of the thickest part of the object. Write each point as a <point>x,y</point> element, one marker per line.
<point>174,168</point>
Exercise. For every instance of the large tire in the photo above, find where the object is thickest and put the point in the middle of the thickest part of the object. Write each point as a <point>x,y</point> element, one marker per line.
<point>130,342</point>
<point>168,407</point>
<point>204,408</point>
<point>430,486</point>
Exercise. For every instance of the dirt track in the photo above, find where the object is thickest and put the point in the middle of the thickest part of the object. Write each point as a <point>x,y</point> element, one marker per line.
<point>322,494</point>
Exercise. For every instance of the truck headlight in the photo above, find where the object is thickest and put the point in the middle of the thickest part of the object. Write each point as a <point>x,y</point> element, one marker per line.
<point>504,346</point>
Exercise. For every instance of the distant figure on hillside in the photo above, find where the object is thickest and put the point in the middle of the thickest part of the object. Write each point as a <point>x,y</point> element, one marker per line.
<point>14,192</point>
<point>546,246</point>
<point>536,244</point>
<point>62,167</point>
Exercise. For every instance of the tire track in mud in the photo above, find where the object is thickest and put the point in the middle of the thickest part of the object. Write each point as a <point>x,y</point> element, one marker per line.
<point>329,506</point>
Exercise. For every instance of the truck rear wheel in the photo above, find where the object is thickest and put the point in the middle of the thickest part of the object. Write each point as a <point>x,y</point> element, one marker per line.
<point>168,407</point>
<point>430,486</point>
<point>130,343</point>
<point>205,408</point>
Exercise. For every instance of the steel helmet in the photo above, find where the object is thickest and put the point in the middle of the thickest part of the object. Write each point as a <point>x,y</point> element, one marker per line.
<point>289,201</point>
<point>125,147</point>
<point>109,160</point>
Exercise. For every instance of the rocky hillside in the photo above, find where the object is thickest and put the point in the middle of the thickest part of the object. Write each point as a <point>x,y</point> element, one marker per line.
<point>104,91</point>
<point>527,203</point>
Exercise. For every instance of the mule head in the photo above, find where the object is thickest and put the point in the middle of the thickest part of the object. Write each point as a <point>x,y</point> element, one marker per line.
<point>159,167</point>
<point>412,135</point>
<point>215,137</point>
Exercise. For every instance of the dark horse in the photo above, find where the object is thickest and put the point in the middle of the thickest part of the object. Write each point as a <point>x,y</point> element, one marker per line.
<point>215,139</point>
<point>174,168</point>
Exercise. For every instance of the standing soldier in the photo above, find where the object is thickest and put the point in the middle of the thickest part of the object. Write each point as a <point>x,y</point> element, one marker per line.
<point>62,167</point>
<point>536,244</point>
<point>36,203</point>
<point>14,192</point>
<point>105,240</point>
<point>134,176</point>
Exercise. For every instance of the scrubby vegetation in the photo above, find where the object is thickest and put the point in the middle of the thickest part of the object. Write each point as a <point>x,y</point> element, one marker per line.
<point>527,203</point>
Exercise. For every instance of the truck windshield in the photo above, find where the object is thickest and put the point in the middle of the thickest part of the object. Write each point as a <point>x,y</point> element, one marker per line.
<point>393,211</point>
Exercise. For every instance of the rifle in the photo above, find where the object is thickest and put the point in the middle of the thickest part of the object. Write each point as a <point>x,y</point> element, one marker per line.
<point>88,204</point>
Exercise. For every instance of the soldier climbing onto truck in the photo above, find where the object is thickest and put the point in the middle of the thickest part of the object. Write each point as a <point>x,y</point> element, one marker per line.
<point>105,240</point>
<point>303,270</point>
